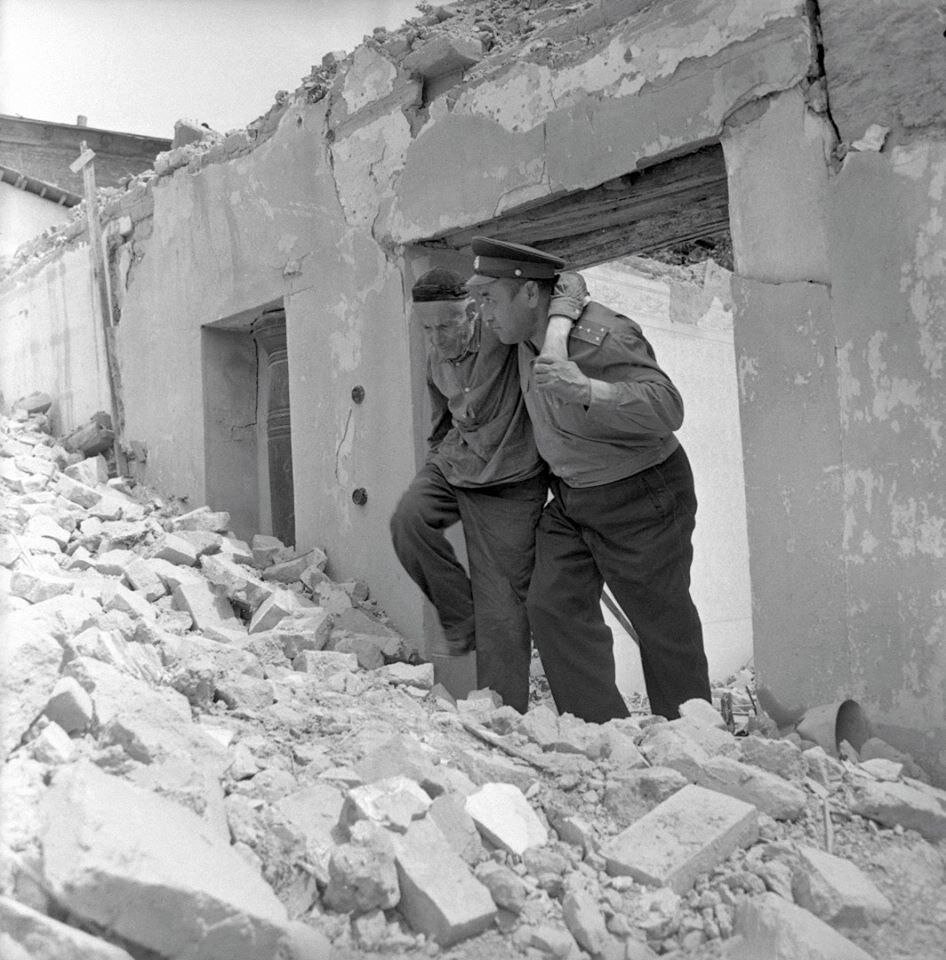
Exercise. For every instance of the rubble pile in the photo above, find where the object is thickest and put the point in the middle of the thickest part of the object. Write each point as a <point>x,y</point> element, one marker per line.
<point>211,750</point>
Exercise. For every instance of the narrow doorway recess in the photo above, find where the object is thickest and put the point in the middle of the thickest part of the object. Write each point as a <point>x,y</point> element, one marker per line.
<point>269,332</point>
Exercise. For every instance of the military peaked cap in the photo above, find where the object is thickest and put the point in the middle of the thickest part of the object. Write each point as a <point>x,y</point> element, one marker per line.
<point>493,259</point>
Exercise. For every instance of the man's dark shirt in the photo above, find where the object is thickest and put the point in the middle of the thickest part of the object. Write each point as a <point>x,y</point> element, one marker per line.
<point>631,429</point>
<point>481,435</point>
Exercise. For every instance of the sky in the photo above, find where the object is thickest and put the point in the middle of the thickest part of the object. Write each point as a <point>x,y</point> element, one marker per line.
<point>139,65</point>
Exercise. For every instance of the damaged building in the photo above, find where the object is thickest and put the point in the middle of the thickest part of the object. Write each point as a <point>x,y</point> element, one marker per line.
<point>258,287</point>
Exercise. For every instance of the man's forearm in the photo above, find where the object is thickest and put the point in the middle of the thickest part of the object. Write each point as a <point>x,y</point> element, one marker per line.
<point>556,337</point>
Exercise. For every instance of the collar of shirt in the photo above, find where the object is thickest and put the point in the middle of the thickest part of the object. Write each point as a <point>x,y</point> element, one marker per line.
<point>472,345</point>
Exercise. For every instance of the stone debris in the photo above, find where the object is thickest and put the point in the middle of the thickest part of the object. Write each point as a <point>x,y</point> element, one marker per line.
<point>773,928</point>
<point>165,687</point>
<point>909,804</point>
<point>439,894</point>
<point>837,891</point>
<point>688,834</point>
<point>42,938</point>
<point>504,816</point>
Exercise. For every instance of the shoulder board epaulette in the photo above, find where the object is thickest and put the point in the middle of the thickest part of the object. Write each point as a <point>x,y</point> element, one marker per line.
<point>590,331</point>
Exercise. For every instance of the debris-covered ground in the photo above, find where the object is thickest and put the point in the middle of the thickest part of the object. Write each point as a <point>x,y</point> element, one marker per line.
<point>211,750</point>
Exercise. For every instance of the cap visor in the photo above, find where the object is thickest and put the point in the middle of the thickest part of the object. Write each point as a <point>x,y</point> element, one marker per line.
<point>479,280</point>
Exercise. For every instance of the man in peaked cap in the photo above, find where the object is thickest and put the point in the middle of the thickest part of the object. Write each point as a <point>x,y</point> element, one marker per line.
<point>604,415</point>
<point>482,468</point>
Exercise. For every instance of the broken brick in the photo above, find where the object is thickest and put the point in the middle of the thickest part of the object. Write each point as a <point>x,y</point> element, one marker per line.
<point>440,897</point>
<point>837,891</point>
<point>503,815</point>
<point>686,835</point>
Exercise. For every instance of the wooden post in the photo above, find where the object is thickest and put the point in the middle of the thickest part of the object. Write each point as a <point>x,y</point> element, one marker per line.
<point>101,298</point>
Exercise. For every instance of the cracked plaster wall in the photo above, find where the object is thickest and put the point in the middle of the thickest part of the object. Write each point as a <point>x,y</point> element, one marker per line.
<point>52,340</point>
<point>229,239</point>
<point>840,342</point>
<point>662,81</point>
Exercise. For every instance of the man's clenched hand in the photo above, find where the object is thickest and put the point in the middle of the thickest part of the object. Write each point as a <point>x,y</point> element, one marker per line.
<point>561,379</point>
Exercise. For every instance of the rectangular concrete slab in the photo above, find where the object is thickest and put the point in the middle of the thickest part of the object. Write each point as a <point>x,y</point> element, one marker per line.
<point>686,835</point>
<point>157,876</point>
<point>440,897</point>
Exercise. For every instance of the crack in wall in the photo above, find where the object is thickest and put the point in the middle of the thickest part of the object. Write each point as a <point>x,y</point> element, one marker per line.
<point>341,443</point>
<point>818,76</point>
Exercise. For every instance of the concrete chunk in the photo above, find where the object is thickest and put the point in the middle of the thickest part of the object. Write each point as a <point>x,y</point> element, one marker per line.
<point>702,712</point>
<point>29,668</point>
<point>666,746</point>
<point>40,525</point>
<point>130,874</point>
<point>837,891</point>
<point>882,769</point>
<point>503,815</point>
<point>767,791</point>
<point>35,586</point>
<point>203,518</point>
<point>206,607</point>
<point>116,596</point>
<point>630,794</point>
<point>172,574</point>
<point>238,582</point>
<point>269,550</point>
<point>114,563</point>
<point>781,757</point>
<point>686,835</point>
<point>913,805</point>
<point>440,897</point>
<point>289,570</point>
<point>325,663</point>
<point>420,676</point>
<point>143,578</point>
<point>584,920</point>
<point>78,492</point>
<point>771,927</point>
<point>46,939</point>
<point>91,471</point>
<point>175,549</point>
<point>458,827</point>
<point>70,706</point>
<point>279,606</point>
<point>53,745</point>
<point>362,875</point>
<point>393,803</point>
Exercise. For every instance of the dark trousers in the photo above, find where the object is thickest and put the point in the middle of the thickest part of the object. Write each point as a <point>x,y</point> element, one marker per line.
<point>499,528</point>
<point>633,534</point>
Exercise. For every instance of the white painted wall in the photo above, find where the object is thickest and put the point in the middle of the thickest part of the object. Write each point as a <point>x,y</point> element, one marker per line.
<point>23,215</point>
<point>688,320</point>
<point>50,340</point>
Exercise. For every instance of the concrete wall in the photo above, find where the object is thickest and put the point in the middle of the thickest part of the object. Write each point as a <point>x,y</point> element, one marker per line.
<point>687,316</point>
<point>227,241</point>
<point>23,215</point>
<point>52,341</point>
<point>840,345</point>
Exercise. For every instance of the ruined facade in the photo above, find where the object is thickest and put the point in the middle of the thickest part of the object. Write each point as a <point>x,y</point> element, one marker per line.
<point>37,187</point>
<point>813,133</point>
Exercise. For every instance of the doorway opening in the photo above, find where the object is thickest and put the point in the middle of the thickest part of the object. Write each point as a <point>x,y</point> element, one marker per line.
<point>655,244</point>
<point>247,421</point>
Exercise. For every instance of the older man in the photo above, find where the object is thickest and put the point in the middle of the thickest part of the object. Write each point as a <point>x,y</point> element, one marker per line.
<point>604,416</point>
<point>482,469</point>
